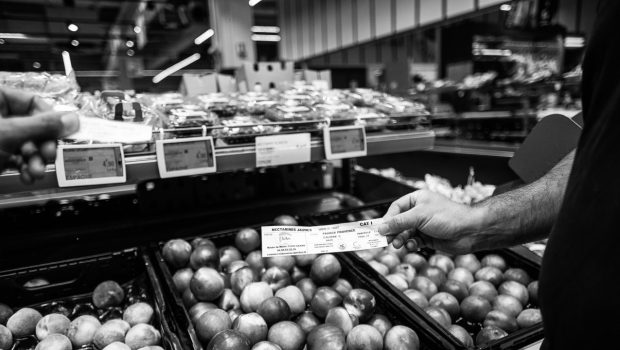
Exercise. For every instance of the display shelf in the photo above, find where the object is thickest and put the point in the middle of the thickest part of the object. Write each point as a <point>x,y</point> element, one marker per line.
<point>144,167</point>
<point>477,148</point>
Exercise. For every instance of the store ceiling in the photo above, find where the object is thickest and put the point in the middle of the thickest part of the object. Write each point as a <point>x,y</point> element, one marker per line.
<point>39,31</point>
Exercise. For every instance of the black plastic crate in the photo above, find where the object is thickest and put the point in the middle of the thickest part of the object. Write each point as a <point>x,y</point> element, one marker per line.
<point>394,309</point>
<point>518,257</point>
<point>71,283</point>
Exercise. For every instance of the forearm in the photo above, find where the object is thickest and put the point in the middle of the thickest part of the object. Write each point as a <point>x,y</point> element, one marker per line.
<point>525,214</point>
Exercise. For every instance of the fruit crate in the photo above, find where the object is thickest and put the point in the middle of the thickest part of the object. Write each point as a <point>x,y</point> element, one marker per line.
<point>515,257</point>
<point>395,310</point>
<point>67,287</point>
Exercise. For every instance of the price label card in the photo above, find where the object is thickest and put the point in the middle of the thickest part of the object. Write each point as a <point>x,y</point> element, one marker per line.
<point>183,157</point>
<point>345,142</point>
<point>282,149</point>
<point>298,240</point>
<point>83,165</point>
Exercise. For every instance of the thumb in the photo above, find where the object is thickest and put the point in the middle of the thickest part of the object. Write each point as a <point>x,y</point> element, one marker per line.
<point>409,220</point>
<point>40,127</point>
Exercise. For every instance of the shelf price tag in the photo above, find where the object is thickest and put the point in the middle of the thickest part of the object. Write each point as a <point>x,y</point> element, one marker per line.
<point>183,157</point>
<point>282,149</point>
<point>84,165</point>
<point>345,142</point>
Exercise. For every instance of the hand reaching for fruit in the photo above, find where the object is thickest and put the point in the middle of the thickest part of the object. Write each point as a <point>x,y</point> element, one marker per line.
<point>29,129</point>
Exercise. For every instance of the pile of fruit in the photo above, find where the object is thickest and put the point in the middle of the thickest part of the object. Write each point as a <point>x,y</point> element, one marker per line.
<point>117,319</point>
<point>473,299</point>
<point>239,300</point>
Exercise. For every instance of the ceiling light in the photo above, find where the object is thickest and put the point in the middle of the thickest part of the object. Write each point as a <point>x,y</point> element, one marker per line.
<point>253,2</point>
<point>204,36</point>
<point>265,37</point>
<point>129,43</point>
<point>13,36</point>
<point>36,65</point>
<point>75,42</point>
<point>137,29</point>
<point>72,27</point>
<point>265,29</point>
<point>505,7</point>
<point>130,52</point>
<point>574,42</point>
<point>175,67</point>
<point>66,60</point>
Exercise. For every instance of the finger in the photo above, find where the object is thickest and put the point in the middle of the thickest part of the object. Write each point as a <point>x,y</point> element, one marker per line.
<point>15,102</point>
<point>409,220</point>
<point>36,167</point>
<point>412,245</point>
<point>401,205</point>
<point>25,175</point>
<point>48,151</point>
<point>400,239</point>
<point>41,127</point>
<point>29,149</point>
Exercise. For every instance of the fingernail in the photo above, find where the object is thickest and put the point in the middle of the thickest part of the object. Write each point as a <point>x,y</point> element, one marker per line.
<point>383,229</point>
<point>412,245</point>
<point>397,243</point>
<point>70,123</point>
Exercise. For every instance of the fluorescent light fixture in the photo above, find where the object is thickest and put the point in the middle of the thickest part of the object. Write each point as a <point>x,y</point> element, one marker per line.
<point>130,53</point>
<point>492,52</point>
<point>36,65</point>
<point>129,43</point>
<point>137,29</point>
<point>175,67</point>
<point>66,60</point>
<point>505,7</point>
<point>265,37</point>
<point>72,27</point>
<point>204,36</point>
<point>14,36</point>
<point>265,29</point>
<point>75,42</point>
<point>574,42</point>
<point>253,2</point>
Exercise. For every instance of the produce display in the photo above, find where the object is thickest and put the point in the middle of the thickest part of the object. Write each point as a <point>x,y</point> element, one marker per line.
<point>112,317</point>
<point>238,300</point>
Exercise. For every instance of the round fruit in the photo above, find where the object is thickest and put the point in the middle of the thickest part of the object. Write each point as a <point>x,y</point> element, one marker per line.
<point>324,299</point>
<point>240,279</point>
<point>447,302</point>
<point>288,335</point>
<point>484,289</point>
<point>176,252</point>
<point>205,255</point>
<point>285,220</point>
<point>325,270</point>
<point>488,334</point>
<point>462,335</point>
<point>401,338</point>
<point>202,241</point>
<point>490,274</point>
<point>82,330</point>
<point>200,308</point>
<point>388,259</point>
<point>234,313</point>
<point>253,295</point>
<point>441,261</point>
<point>236,265</point>
<point>529,317</point>
<point>342,286</point>
<point>494,260</point>
<point>138,313</point>
<point>252,325</point>
<point>517,275</point>
<point>364,337</point>
<point>297,274</point>
<point>212,322</point>
<point>456,288</point>
<point>400,252</point>
<point>228,254</point>
<point>468,261</point>
<point>405,270</point>
<point>475,308</point>
<point>379,267</point>
<point>189,299</point>
<point>305,259</point>
<point>276,277</point>
<point>108,293</point>
<point>360,303</point>
<point>6,338</point>
<point>366,255</point>
<point>307,288</point>
<point>284,262</point>
<point>54,342</point>
<point>433,273</point>
<point>294,298</point>
<point>507,303</point>
<point>340,318</point>
<point>416,260</point>
<point>228,301</point>
<point>502,320</point>
<point>424,286</point>
<point>417,297</point>
<point>440,315</point>
<point>207,284</point>
<point>110,332</point>
<point>381,323</point>
<point>5,313</point>
<point>274,310</point>
<point>229,340</point>
<point>532,290</point>
<point>266,345</point>
<point>326,337</point>
<point>515,289</point>
<point>181,279</point>
<point>247,240</point>
<point>307,321</point>
<point>52,324</point>
<point>256,262</point>
<point>398,281</point>
<point>462,275</point>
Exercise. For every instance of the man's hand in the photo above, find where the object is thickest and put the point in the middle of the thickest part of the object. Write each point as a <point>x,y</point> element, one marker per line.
<point>425,218</point>
<point>28,133</point>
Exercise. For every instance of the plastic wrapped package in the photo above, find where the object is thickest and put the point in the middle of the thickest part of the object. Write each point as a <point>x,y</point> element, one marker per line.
<point>402,114</point>
<point>243,129</point>
<point>190,116</point>
<point>362,97</point>
<point>255,103</point>
<point>369,117</point>
<point>57,90</point>
<point>221,104</point>
<point>295,117</point>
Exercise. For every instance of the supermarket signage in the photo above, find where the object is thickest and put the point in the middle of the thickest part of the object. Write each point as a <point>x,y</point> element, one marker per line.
<point>298,240</point>
<point>95,164</point>
<point>345,142</point>
<point>183,157</point>
<point>282,149</point>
